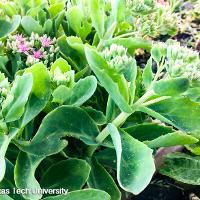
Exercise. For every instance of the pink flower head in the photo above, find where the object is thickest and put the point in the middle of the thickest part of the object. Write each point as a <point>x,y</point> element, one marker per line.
<point>19,38</point>
<point>46,42</point>
<point>162,2</point>
<point>37,54</point>
<point>23,48</point>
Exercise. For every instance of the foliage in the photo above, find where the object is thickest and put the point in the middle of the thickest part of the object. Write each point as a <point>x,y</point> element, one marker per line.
<point>79,112</point>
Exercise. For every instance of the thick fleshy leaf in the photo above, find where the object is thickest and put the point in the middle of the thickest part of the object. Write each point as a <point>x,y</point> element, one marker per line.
<point>39,95</point>
<point>97,16</point>
<point>171,87</point>
<point>193,94</point>
<point>181,113</point>
<point>98,65</point>
<point>107,157</point>
<point>24,174</point>
<point>78,22</point>
<point>30,25</point>
<point>14,105</point>
<point>194,148</point>
<point>9,27</point>
<point>8,181</point>
<point>81,91</point>
<point>171,139</point>
<point>60,94</point>
<point>4,142</point>
<point>132,43</point>
<point>100,179</point>
<point>155,135</point>
<point>96,115</point>
<point>135,164</point>
<point>87,194</point>
<point>63,121</point>
<point>56,8</point>
<point>62,64</point>
<point>118,7</point>
<point>69,174</point>
<point>147,75</point>
<point>148,131</point>
<point>5,197</point>
<point>182,167</point>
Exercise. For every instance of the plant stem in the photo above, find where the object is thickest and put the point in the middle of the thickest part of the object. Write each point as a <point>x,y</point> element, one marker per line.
<point>118,121</point>
<point>156,100</point>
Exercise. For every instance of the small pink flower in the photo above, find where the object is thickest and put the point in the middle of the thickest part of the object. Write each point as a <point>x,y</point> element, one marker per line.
<point>23,48</point>
<point>162,2</point>
<point>37,54</point>
<point>46,42</point>
<point>20,38</point>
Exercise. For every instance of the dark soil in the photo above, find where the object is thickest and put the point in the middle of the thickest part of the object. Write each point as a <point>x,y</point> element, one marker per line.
<point>164,188</point>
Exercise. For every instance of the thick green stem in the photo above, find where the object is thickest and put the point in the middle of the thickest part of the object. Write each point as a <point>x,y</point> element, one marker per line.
<point>118,121</point>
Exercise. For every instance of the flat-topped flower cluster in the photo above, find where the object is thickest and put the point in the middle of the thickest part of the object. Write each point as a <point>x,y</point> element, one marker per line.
<point>34,48</point>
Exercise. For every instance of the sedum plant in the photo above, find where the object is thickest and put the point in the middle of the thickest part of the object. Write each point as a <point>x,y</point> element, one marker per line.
<point>90,119</point>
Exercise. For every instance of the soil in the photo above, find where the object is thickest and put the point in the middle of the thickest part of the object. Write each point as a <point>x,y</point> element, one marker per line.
<point>164,188</point>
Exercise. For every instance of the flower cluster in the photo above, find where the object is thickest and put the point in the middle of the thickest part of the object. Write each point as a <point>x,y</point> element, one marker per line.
<point>34,48</point>
<point>61,78</point>
<point>183,61</point>
<point>117,58</point>
<point>180,60</point>
<point>141,6</point>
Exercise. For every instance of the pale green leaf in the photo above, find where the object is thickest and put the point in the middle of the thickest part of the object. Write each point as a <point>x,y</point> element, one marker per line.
<point>69,174</point>
<point>135,164</point>
<point>182,167</point>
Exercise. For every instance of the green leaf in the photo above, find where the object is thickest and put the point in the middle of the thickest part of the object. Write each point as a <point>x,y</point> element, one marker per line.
<point>182,167</point>
<point>193,94</point>
<point>4,142</point>
<point>131,44</point>
<point>148,131</point>
<point>48,25</point>
<point>24,174</point>
<point>56,8</point>
<point>14,105</point>
<point>79,94</point>
<point>60,94</point>
<point>62,64</point>
<point>100,179</point>
<point>99,65</point>
<point>48,139</point>
<point>118,7</point>
<point>8,181</point>
<point>156,54</point>
<point>171,139</point>
<point>181,113</point>
<point>147,75</point>
<point>77,44</point>
<point>9,27</point>
<point>194,148</point>
<point>39,95</point>
<point>135,164</point>
<point>107,157</point>
<point>96,115</point>
<point>78,22</point>
<point>5,197</point>
<point>71,54</point>
<point>87,194</point>
<point>171,87</point>
<point>97,16</point>
<point>81,91</point>
<point>30,25</point>
<point>69,174</point>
